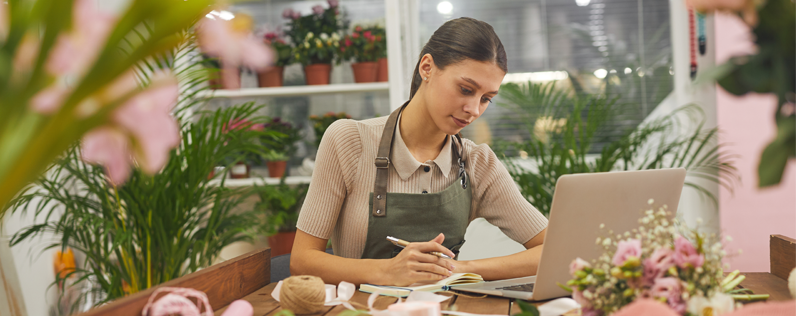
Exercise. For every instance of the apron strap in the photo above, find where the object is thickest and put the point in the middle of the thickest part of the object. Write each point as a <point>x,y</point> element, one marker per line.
<point>383,162</point>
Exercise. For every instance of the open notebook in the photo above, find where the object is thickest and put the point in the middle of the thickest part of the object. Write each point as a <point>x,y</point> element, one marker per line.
<point>441,285</point>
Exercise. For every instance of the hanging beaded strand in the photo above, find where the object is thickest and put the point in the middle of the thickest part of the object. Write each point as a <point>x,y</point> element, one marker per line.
<point>692,42</point>
<point>701,37</point>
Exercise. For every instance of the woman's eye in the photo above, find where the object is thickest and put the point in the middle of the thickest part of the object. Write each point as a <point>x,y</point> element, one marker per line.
<point>466,91</point>
<point>486,100</point>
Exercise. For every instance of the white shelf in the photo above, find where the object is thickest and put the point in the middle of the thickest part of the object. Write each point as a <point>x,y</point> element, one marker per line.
<point>230,183</point>
<point>298,90</point>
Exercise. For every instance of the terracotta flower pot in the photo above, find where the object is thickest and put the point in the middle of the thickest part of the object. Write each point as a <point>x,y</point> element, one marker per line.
<point>281,243</point>
<point>273,77</point>
<point>383,74</point>
<point>239,171</point>
<point>317,74</point>
<point>225,78</point>
<point>365,71</point>
<point>276,169</point>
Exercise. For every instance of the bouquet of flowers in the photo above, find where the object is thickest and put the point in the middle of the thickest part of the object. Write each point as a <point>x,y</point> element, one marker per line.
<point>679,267</point>
<point>364,44</point>
<point>321,123</point>
<point>316,36</point>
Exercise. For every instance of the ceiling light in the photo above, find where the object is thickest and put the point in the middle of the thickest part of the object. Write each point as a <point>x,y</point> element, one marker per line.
<point>445,7</point>
<point>600,73</point>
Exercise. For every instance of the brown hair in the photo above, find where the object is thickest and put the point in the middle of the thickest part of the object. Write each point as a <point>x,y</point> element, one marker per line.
<point>459,39</point>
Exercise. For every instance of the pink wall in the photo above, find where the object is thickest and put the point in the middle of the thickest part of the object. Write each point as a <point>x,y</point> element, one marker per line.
<point>751,214</point>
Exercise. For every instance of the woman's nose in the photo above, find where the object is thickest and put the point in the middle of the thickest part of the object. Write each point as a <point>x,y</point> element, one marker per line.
<point>473,108</point>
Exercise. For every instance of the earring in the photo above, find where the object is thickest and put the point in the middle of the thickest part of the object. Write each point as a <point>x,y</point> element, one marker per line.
<point>425,78</point>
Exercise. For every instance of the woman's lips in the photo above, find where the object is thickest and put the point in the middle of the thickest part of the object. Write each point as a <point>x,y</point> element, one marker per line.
<point>459,122</point>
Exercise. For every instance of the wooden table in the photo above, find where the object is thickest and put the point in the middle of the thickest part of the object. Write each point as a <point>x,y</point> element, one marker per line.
<point>248,277</point>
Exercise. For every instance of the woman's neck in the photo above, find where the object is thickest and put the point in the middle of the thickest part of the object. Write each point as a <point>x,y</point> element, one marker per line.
<point>421,135</point>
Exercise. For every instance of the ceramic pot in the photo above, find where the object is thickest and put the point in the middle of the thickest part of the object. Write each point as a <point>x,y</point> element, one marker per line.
<point>239,171</point>
<point>273,77</point>
<point>317,74</point>
<point>276,169</point>
<point>227,78</point>
<point>383,74</point>
<point>281,243</point>
<point>365,71</point>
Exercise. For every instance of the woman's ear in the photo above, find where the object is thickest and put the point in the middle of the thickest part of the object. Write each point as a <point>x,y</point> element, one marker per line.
<point>426,66</point>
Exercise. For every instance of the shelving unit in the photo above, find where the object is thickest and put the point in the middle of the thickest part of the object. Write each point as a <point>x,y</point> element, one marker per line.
<point>299,90</point>
<point>231,183</point>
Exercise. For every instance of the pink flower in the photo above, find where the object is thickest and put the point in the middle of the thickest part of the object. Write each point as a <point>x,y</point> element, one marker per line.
<point>578,265</point>
<point>49,100</point>
<point>270,35</point>
<point>625,249</point>
<point>217,38</point>
<point>579,298</point>
<point>584,311</point>
<point>671,289</point>
<point>74,52</point>
<point>333,3</point>
<point>318,10</point>
<point>656,265</point>
<point>367,34</point>
<point>685,255</point>
<point>146,117</point>
<point>355,35</point>
<point>358,28</point>
<point>288,13</point>
<point>296,15</point>
<point>348,41</point>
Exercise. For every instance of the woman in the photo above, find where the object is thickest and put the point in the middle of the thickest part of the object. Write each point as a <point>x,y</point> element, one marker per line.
<point>433,184</point>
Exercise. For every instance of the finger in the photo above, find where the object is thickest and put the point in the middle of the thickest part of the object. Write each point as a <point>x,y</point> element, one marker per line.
<point>432,246</point>
<point>431,268</point>
<point>424,257</point>
<point>439,239</point>
<point>425,276</point>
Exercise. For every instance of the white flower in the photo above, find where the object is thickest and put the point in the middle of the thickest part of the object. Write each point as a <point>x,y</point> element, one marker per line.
<point>607,242</point>
<point>718,304</point>
<point>335,37</point>
<point>324,36</point>
<point>310,35</point>
<point>306,45</point>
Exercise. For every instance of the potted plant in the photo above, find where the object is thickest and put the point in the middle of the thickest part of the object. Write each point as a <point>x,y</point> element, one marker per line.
<point>241,166</point>
<point>220,76</point>
<point>281,145</point>
<point>316,40</point>
<point>365,46</point>
<point>274,76</point>
<point>321,123</point>
<point>280,204</point>
<point>382,75</point>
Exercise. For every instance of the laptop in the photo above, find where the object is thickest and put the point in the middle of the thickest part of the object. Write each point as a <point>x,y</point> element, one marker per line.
<point>581,203</point>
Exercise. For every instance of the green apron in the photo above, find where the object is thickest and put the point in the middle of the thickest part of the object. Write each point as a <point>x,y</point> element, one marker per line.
<point>415,217</point>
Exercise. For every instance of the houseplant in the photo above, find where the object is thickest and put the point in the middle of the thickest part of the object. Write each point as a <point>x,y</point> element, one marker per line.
<point>274,76</point>
<point>365,46</point>
<point>321,123</point>
<point>280,205</point>
<point>281,145</point>
<point>154,228</point>
<point>770,69</point>
<point>241,168</point>
<point>572,124</point>
<point>316,40</point>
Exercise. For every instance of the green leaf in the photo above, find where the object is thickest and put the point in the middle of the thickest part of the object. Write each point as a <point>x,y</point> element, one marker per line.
<point>527,308</point>
<point>775,156</point>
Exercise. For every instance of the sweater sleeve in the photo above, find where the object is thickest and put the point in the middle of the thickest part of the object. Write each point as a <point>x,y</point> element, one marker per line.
<point>339,150</point>
<point>499,201</point>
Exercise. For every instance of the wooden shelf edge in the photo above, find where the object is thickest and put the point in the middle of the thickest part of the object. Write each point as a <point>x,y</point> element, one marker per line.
<point>298,90</point>
<point>261,181</point>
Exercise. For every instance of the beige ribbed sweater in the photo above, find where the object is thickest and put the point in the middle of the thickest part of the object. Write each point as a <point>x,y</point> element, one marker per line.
<point>336,205</point>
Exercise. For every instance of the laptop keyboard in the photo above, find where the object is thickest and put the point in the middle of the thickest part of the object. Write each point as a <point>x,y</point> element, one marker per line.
<point>520,287</point>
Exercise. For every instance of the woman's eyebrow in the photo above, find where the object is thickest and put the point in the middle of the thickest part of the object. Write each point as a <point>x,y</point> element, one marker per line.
<point>478,86</point>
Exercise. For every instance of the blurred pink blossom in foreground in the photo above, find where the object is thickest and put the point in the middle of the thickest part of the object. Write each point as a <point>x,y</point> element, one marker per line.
<point>218,38</point>
<point>146,118</point>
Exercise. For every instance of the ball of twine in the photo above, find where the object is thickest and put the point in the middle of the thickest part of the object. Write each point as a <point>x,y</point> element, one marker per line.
<point>303,294</point>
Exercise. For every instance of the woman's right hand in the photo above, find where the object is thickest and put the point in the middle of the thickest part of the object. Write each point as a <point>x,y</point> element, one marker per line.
<point>415,264</point>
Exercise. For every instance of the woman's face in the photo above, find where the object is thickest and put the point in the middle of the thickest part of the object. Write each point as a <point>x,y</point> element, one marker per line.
<point>460,93</point>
